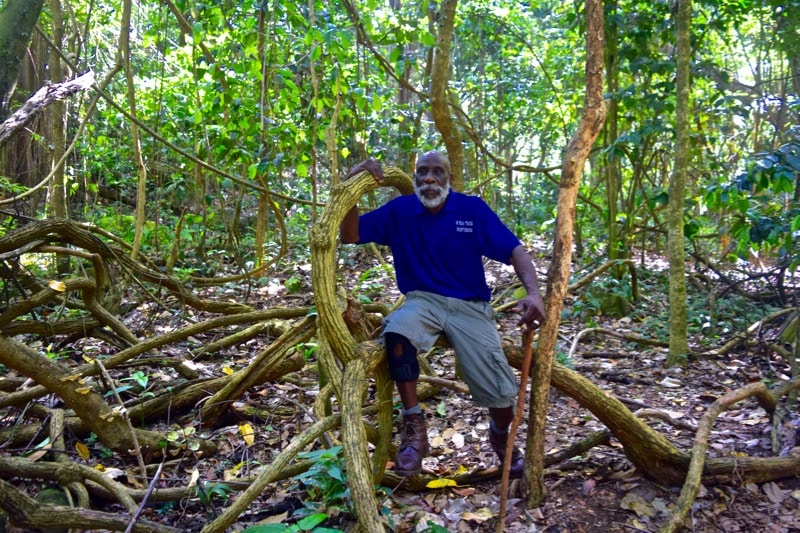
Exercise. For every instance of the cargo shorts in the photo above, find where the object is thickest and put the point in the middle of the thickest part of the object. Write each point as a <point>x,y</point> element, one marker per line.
<point>472,332</point>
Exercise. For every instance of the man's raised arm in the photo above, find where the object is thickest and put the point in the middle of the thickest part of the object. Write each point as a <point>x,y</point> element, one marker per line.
<point>348,231</point>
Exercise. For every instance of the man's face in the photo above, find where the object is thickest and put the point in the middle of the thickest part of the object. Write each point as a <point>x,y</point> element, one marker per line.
<point>432,180</point>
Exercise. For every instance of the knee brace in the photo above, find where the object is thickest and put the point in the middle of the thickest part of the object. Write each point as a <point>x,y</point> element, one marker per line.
<point>401,357</point>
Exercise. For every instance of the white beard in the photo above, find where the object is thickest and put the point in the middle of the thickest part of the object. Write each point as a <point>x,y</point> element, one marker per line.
<point>436,201</point>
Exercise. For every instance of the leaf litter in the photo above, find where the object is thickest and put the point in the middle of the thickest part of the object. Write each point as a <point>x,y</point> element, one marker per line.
<point>597,491</point>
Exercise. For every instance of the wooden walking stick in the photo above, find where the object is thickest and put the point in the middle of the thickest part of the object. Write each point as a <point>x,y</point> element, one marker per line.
<point>527,356</point>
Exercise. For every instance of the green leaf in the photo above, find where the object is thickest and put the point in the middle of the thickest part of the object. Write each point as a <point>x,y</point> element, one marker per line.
<point>441,409</point>
<point>691,228</point>
<point>266,528</point>
<point>428,39</point>
<point>311,521</point>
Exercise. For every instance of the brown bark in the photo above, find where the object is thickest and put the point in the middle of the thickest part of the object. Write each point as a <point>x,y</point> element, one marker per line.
<point>574,158</point>
<point>29,237</point>
<point>440,101</point>
<point>17,20</point>
<point>20,398</point>
<point>676,240</point>
<point>176,402</point>
<point>700,446</point>
<point>57,125</point>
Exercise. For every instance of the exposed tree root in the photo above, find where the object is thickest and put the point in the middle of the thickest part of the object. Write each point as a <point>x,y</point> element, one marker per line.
<point>700,446</point>
<point>650,451</point>
<point>23,511</point>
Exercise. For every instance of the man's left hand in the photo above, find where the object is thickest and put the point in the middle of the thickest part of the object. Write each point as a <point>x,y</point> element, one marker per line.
<point>532,310</point>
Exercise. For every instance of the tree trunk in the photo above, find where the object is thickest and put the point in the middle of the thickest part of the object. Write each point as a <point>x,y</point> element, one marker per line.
<point>57,126</point>
<point>440,105</point>
<point>574,159</point>
<point>678,342</point>
<point>124,59</point>
<point>17,20</point>
<point>612,173</point>
<point>340,356</point>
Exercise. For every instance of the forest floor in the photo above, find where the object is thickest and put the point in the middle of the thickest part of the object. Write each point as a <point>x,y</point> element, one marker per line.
<point>598,491</point>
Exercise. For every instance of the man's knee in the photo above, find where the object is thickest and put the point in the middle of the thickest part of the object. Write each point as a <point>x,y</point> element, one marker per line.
<point>401,357</point>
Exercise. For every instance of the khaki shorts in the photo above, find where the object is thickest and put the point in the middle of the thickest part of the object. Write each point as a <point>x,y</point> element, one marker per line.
<point>471,330</point>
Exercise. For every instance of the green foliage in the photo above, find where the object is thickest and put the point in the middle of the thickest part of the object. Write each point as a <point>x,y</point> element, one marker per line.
<point>310,350</point>
<point>294,284</point>
<point>325,483</point>
<point>104,452</point>
<point>372,282</point>
<point>55,355</point>
<point>757,208</point>
<point>325,490</point>
<point>140,380</point>
<point>434,528</point>
<point>9,188</point>
<point>183,436</point>
<point>564,359</point>
<point>606,296</point>
<point>308,523</point>
<point>707,319</point>
<point>207,493</point>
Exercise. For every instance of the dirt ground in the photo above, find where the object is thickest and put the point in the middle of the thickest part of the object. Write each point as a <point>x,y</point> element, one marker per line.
<point>599,491</point>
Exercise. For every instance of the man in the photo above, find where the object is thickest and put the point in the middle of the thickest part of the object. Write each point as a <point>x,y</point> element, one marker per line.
<point>438,239</point>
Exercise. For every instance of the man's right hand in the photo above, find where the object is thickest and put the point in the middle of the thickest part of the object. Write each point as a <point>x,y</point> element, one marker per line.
<point>369,165</point>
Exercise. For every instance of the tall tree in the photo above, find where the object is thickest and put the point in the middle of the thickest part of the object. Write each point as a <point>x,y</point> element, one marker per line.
<point>612,172</point>
<point>575,156</point>
<point>58,119</point>
<point>678,342</point>
<point>440,99</point>
<point>17,20</point>
<point>124,59</point>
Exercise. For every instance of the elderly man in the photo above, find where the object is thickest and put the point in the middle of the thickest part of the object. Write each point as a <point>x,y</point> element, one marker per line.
<point>438,239</point>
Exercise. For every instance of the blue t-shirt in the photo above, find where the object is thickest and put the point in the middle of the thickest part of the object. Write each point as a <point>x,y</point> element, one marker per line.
<point>441,253</point>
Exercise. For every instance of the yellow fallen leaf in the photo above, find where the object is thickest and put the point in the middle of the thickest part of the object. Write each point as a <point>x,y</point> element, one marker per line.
<point>480,515</point>
<point>227,370</point>
<point>441,483</point>
<point>100,467</point>
<point>83,451</point>
<point>56,285</point>
<point>248,434</point>
<point>83,390</point>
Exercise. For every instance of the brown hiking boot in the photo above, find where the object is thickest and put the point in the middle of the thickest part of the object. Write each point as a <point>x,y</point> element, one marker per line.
<point>498,443</point>
<point>413,446</point>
